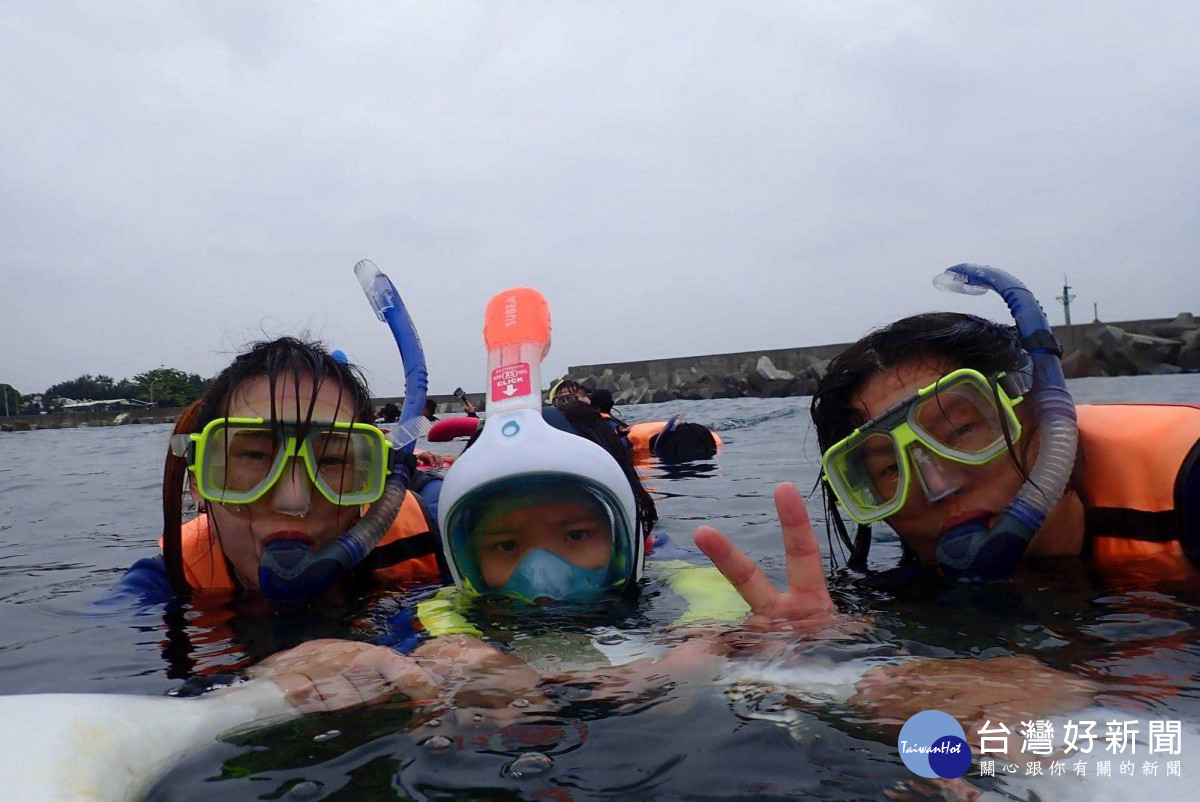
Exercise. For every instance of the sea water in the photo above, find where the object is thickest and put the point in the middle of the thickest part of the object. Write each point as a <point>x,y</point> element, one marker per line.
<point>78,506</point>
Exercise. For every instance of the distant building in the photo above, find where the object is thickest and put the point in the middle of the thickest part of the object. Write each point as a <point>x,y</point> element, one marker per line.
<point>106,405</point>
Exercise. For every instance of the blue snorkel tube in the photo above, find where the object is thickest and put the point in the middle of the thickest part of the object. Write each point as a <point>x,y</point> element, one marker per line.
<point>670,427</point>
<point>972,551</point>
<point>389,308</point>
<point>290,570</point>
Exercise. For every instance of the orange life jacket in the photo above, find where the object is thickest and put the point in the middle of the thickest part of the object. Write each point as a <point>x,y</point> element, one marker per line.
<point>408,550</point>
<point>640,434</point>
<point>1135,460</point>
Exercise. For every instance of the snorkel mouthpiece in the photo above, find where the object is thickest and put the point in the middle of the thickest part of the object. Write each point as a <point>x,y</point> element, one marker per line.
<point>290,572</point>
<point>973,551</point>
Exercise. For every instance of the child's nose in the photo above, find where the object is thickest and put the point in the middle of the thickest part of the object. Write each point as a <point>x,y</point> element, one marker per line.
<point>292,494</point>
<point>940,477</point>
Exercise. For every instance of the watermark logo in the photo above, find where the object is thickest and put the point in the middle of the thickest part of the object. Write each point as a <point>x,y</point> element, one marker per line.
<point>932,744</point>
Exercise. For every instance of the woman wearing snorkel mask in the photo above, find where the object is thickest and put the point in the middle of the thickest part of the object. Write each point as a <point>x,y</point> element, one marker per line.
<point>960,434</point>
<point>285,467</point>
<point>303,502</point>
<point>279,449</point>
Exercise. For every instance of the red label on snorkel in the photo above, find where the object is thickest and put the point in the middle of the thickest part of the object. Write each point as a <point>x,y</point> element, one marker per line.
<point>511,381</point>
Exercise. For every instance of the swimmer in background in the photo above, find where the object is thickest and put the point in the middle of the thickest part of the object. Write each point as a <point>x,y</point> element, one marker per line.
<point>467,407</point>
<point>568,391</point>
<point>602,400</point>
<point>673,441</point>
<point>388,413</point>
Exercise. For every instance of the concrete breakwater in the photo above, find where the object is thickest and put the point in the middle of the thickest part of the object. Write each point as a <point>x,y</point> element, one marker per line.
<point>1126,348</point>
<point>73,420</point>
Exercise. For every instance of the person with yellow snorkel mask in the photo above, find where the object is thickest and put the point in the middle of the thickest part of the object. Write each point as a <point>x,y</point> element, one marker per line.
<point>300,490</point>
<point>303,503</point>
<point>960,434</point>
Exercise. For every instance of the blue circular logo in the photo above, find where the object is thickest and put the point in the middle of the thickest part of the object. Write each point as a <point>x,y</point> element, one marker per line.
<point>511,428</point>
<point>932,744</point>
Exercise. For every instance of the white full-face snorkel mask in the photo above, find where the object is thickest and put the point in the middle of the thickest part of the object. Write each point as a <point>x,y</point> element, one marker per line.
<point>529,511</point>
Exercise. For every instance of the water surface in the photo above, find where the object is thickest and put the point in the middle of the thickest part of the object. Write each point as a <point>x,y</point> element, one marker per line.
<point>78,506</point>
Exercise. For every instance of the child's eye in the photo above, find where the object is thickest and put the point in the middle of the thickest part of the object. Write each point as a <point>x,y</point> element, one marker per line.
<point>889,471</point>
<point>963,431</point>
<point>506,546</point>
<point>576,535</point>
<point>256,456</point>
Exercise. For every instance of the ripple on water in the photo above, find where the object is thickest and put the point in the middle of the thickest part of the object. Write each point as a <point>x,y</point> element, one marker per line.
<point>530,764</point>
<point>437,744</point>
<point>1130,628</point>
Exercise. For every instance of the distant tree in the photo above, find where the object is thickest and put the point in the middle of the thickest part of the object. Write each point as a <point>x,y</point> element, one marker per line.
<point>86,386</point>
<point>126,389</point>
<point>169,387</point>
<point>10,400</point>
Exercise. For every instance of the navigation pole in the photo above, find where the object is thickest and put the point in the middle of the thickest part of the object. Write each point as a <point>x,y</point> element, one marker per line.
<point>1065,299</point>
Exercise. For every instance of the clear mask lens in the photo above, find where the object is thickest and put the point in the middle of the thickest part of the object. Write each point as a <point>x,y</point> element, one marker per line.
<point>872,471</point>
<point>939,478</point>
<point>962,419</point>
<point>345,464</point>
<point>957,422</point>
<point>241,462</point>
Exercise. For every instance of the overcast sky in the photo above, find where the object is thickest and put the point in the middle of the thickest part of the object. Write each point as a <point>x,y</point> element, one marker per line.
<point>678,178</point>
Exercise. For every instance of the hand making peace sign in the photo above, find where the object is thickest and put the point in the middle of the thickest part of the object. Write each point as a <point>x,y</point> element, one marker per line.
<point>806,600</point>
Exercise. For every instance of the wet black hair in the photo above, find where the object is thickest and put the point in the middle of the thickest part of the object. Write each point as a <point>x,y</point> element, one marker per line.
<point>589,424</point>
<point>685,443</point>
<point>602,399</point>
<point>283,359</point>
<point>294,359</point>
<point>430,407</point>
<point>960,339</point>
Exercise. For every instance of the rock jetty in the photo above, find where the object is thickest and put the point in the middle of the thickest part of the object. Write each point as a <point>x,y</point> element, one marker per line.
<point>1098,349</point>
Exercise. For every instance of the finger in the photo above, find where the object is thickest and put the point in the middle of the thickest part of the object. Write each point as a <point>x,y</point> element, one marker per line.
<point>742,572</point>
<point>400,672</point>
<point>805,569</point>
<point>313,656</point>
<point>300,692</point>
<point>344,690</point>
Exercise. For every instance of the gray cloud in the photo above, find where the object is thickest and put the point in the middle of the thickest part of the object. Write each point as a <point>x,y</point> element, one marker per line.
<point>676,177</point>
